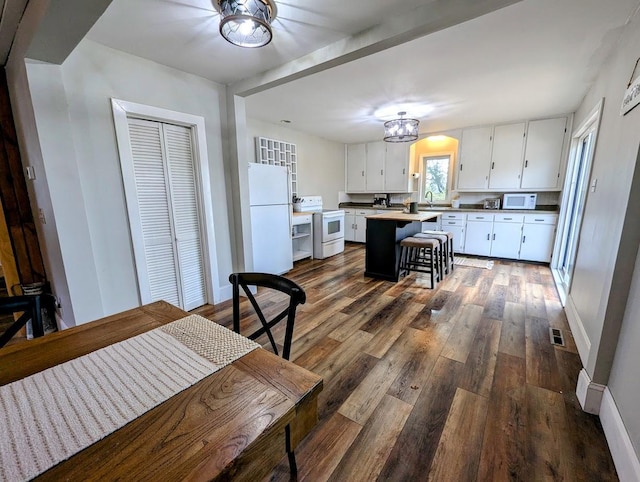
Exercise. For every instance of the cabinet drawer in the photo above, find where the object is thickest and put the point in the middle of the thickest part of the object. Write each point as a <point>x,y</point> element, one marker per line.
<point>349,211</point>
<point>452,222</point>
<point>509,218</point>
<point>304,219</point>
<point>365,212</point>
<point>540,218</point>
<point>479,217</point>
<point>453,216</point>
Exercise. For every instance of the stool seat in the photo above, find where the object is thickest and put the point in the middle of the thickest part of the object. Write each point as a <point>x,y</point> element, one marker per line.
<point>447,255</point>
<point>422,255</point>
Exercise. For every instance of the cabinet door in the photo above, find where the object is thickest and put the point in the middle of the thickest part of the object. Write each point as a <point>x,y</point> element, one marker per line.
<point>505,240</point>
<point>356,159</point>
<point>349,227</point>
<point>458,237</point>
<point>506,156</point>
<point>374,170</point>
<point>537,242</point>
<point>474,158</point>
<point>396,170</point>
<point>478,238</point>
<point>361,229</point>
<point>543,153</point>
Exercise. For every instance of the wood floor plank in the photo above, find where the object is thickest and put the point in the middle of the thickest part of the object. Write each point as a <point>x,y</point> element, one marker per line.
<point>549,453</point>
<point>542,367</point>
<point>516,292</point>
<point>415,375</point>
<point>512,337</point>
<point>342,355</point>
<point>481,362</point>
<point>361,317</point>
<point>416,445</point>
<point>535,305</point>
<point>368,453</point>
<point>308,340</point>
<point>495,301</point>
<point>461,338</point>
<point>317,353</point>
<point>384,339</point>
<point>504,446</point>
<point>458,453</point>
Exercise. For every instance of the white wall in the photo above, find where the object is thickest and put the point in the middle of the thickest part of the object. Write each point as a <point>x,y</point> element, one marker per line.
<point>606,264</point>
<point>320,162</point>
<point>91,76</point>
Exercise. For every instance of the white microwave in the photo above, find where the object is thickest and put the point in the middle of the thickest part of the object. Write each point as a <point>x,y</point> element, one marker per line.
<point>519,201</point>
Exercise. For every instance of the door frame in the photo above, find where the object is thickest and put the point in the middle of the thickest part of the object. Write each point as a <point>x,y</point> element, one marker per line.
<point>591,122</point>
<point>122,110</point>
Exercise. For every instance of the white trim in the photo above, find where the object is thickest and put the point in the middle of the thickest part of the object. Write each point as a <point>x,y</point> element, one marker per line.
<point>452,168</point>
<point>557,278</point>
<point>589,394</point>
<point>123,109</point>
<point>577,330</point>
<point>624,456</point>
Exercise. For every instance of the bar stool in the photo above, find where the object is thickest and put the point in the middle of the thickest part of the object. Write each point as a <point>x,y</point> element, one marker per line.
<point>447,245</point>
<point>421,255</point>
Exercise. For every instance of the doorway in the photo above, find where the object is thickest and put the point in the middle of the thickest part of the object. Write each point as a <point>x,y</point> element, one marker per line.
<point>165,176</point>
<point>574,200</point>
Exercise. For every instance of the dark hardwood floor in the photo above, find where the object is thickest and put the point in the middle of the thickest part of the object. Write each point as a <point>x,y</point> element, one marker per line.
<point>460,383</point>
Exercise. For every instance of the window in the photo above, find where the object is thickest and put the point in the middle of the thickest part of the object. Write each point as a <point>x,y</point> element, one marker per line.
<point>436,171</point>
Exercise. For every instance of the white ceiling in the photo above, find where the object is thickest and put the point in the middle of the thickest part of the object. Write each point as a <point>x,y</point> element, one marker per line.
<point>531,59</point>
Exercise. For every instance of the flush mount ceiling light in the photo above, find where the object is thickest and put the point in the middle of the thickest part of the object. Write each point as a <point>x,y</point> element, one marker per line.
<point>246,23</point>
<point>401,130</point>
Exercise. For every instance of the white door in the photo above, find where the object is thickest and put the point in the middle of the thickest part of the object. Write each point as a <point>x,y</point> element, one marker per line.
<point>506,157</point>
<point>397,161</point>
<point>475,158</point>
<point>356,159</point>
<point>375,166</point>
<point>169,255</point>
<point>505,240</point>
<point>478,238</point>
<point>537,242</point>
<point>543,153</point>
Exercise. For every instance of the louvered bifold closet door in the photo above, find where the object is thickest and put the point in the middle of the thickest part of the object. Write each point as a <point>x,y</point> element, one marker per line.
<point>186,216</point>
<point>152,192</point>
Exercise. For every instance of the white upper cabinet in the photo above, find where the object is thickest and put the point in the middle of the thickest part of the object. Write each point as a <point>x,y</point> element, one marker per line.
<point>374,171</point>
<point>397,176</point>
<point>543,153</point>
<point>356,161</point>
<point>378,167</point>
<point>506,157</point>
<point>474,158</point>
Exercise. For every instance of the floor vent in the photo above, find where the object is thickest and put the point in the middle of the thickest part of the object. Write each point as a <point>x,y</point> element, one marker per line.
<point>557,338</point>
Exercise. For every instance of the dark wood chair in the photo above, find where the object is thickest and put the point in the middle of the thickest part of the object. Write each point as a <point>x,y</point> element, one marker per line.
<point>297,297</point>
<point>296,294</point>
<point>31,306</point>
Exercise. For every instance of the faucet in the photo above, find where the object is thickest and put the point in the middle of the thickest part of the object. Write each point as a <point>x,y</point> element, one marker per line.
<point>429,196</point>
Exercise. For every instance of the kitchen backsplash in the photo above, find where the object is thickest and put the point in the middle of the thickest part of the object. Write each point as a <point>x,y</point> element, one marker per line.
<point>544,198</point>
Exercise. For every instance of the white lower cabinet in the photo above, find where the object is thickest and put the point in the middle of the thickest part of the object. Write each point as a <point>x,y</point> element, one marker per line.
<point>479,233</point>
<point>302,236</point>
<point>455,224</point>
<point>538,236</point>
<point>505,240</point>
<point>355,224</point>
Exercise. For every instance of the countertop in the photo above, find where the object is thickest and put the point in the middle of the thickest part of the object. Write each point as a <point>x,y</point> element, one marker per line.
<point>542,209</point>
<point>400,216</point>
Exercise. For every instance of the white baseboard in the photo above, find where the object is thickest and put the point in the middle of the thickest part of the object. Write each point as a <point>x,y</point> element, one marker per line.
<point>622,451</point>
<point>577,330</point>
<point>589,394</point>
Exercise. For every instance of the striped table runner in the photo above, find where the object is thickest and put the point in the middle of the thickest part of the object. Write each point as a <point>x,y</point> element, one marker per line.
<point>52,415</point>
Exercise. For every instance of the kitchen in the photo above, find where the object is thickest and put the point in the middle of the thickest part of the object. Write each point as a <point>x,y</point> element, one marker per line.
<point>101,278</point>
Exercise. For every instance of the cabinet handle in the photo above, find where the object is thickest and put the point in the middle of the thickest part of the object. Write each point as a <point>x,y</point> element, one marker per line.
<point>526,163</point>
<point>524,238</point>
<point>362,173</point>
<point>493,164</point>
<point>508,219</point>
<point>488,237</point>
<point>381,172</point>
<point>494,236</point>
<point>403,169</point>
<point>461,167</point>
<point>539,219</point>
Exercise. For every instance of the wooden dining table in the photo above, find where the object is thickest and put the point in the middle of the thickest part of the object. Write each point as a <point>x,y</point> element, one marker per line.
<point>213,430</point>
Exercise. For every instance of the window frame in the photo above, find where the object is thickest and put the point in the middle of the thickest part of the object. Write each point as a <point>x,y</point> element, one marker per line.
<point>423,171</point>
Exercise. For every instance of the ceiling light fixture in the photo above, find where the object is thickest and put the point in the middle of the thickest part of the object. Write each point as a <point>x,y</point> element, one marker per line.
<point>246,23</point>
<point>401,130</point>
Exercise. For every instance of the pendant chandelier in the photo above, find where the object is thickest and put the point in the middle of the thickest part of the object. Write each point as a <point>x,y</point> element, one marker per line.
<point>246,23</point>
<point>401,130</point>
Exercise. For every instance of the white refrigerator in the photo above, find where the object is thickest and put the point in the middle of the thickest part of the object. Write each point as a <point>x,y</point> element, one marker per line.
<point>270,200</point>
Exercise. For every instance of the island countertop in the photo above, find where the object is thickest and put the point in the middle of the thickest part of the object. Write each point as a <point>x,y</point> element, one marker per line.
<point>408,217</point>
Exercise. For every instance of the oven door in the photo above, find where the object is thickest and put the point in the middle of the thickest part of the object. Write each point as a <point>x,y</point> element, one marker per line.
<point>332,226</point>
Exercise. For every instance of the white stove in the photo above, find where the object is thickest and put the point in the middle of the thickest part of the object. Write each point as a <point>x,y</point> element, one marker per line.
<point>328,226</point>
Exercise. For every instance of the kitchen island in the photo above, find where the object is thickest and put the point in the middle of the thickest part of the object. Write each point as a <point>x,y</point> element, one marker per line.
<point>384,233</point>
